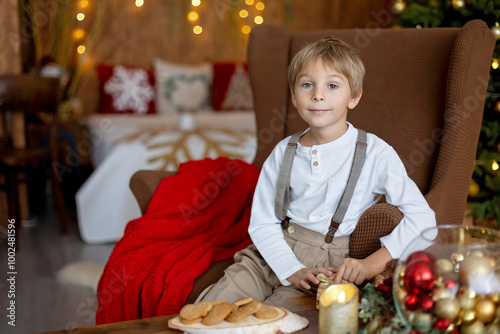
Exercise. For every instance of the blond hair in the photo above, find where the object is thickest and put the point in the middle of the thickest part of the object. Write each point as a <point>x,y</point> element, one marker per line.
<point>334,53</point>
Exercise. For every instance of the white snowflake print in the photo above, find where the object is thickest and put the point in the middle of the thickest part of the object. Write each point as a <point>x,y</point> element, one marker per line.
<point>130,89</point>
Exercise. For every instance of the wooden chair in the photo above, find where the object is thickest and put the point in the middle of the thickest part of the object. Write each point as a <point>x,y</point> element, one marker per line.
<point>424,94</point>
<point>22,160</point>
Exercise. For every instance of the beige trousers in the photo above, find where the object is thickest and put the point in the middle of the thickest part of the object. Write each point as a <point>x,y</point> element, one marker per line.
<point>250,275</point>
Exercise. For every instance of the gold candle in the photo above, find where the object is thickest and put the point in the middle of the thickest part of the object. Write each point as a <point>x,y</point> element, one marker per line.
<point>338,309</point>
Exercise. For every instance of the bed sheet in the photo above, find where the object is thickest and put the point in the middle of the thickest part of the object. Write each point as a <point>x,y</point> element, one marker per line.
<point>123,144</point>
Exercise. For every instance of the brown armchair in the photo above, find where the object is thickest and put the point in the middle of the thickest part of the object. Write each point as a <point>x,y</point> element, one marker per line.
<point>423,93</point>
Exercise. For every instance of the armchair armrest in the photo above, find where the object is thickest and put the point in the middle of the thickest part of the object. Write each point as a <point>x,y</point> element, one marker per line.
<point>376,222</point>
<point>144,183</point>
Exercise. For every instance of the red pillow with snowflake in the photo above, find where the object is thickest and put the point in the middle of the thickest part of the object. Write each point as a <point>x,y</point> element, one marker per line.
<point>126,90</point>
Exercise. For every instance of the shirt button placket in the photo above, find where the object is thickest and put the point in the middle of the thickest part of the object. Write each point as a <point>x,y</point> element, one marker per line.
<point>315,160</point>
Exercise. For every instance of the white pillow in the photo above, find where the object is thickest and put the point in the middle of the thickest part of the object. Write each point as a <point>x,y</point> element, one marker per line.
<point>182,87</point>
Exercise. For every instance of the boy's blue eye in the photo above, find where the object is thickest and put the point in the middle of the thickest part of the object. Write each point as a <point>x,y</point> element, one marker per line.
<point>333,86</point>
<point>307,85</point>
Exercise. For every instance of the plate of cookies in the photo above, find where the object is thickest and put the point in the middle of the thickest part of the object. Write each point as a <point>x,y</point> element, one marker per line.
<point>243,316</point>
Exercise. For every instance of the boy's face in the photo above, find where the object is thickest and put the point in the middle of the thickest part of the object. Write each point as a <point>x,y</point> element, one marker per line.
<point>322,97</point>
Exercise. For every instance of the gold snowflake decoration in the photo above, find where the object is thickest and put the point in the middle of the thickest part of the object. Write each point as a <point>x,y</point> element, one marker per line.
<point>171,147</point>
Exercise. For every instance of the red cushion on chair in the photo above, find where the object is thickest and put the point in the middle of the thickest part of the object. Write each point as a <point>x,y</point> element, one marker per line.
<point>231,87</point>
<point>126,89</point>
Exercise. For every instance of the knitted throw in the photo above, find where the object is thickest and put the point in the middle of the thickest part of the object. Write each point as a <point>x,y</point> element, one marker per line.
<point>195,218</point>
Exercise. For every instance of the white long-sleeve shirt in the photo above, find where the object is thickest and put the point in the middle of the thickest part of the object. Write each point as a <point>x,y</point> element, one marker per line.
<point>319,177</point>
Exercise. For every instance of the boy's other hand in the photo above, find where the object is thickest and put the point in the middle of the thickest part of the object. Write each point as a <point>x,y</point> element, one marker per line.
<point>303,277</point>
<point>358,271</point>
<point>354,271</point>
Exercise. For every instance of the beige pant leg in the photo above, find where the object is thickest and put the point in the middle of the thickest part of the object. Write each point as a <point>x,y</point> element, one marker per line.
<point>283,292</point>
<point>250,276</point>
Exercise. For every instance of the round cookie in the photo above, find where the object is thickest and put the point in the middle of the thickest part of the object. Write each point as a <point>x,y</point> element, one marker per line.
<point>243,301</point>
<point>218,313</point>
<point>266,312</point>
<point>243,311</point>
<point>194,311</point>
<point>190,322</point>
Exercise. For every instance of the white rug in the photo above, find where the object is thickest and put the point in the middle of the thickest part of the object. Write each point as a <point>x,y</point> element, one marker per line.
<point>84,274</point>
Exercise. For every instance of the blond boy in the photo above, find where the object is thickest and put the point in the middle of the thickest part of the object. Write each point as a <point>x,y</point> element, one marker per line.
<point>325,81</point>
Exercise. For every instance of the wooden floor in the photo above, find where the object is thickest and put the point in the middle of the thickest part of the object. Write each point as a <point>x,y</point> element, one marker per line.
<point>43,304</point>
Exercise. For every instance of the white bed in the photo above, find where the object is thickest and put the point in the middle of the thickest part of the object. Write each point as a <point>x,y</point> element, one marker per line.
<point>123,144</point>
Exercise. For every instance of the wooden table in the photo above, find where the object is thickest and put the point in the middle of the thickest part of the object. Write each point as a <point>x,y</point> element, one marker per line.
<point>303,306</point>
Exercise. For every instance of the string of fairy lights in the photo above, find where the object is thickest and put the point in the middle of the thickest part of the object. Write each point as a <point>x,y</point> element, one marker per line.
<point>250,15</point>
<point>79,31</point>
<point>245,14</point>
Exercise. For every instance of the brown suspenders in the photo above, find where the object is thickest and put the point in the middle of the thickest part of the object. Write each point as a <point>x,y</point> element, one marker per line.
<point>282,199</point>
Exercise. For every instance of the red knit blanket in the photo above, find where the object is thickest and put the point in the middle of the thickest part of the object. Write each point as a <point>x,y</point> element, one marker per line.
<point>196,217</point>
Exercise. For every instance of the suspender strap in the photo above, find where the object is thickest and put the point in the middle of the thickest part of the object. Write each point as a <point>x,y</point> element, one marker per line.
<point>282,198</point>
<point>359,159</point>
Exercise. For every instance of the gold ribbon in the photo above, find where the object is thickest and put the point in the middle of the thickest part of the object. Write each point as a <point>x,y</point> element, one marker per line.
<point>323,279</point>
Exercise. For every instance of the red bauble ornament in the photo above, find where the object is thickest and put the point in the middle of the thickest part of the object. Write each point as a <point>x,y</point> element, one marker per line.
<point>384,289</point>
<point>420,277</point>
<point>411,302</point>
<point>442,324</point>
<point>449,283</point>
<point>423,256</point>
<point>426,303</point>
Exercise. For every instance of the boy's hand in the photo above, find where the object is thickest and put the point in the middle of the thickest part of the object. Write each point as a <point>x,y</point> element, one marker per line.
<point>304,276</point>
<point>358,271</point>
<point>354,271</point>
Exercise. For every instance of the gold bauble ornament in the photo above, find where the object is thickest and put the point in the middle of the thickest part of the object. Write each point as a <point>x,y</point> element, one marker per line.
<point>473,189</point>
<point>374,325</point>
<point>476,252</point>
<point>467,316</point>
<point>402,270</point>
<point>485,310</point>
<point>496,30</point>
<point>466,302</point>
<point>492,329</point>
<point>477,327</point>
<point>444,267</point>
<point>455,259</point>
<point>468,292</point>
<point>458,4</point>
<point>447,308</point>
<point>421,321</point>
<point>398,6</point>
<point>477,273</point>
<point>400,293</point>
<point>453,328</point>
<point>378,279</point>
<point>441,293</point>
<point>496,107</point>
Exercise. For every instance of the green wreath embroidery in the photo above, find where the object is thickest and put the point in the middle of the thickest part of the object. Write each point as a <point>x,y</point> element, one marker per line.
<point>171,85</point>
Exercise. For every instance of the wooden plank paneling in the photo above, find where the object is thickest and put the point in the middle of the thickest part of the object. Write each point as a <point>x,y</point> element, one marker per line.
<point>159,29</point>
<point>10,63</point>
<point>10,38</point>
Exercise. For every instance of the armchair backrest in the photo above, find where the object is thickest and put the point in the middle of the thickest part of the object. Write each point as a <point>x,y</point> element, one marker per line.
<point>423,93</point>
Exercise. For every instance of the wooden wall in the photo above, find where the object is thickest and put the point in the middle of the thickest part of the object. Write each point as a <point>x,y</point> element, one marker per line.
<point>135,36</point>
<point>10,63</point>
<point>159,28</point>
<point>10,37</point>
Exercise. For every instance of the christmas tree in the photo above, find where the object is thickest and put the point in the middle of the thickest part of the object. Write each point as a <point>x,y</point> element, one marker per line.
<point>484,190</point>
